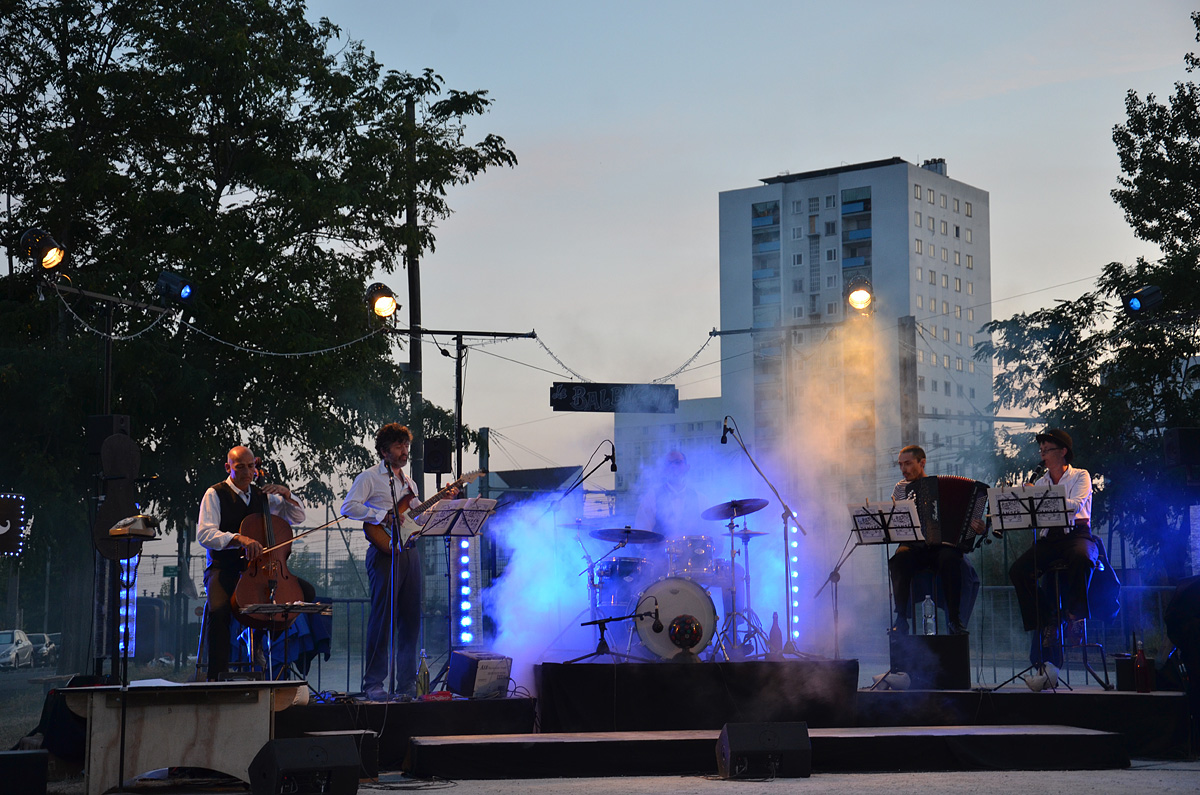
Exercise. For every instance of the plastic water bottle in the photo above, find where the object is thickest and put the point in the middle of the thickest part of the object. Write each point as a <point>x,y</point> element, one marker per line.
<point>423,675</point>
<point>928,616</point>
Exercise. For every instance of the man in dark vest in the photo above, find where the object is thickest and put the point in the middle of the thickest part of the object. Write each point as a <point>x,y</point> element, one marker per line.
<point>222,510</point>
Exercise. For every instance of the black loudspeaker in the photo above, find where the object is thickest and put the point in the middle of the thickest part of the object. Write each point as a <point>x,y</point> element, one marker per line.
<point>933,662</point>
<point>101,426</point>
<point>1181,447</point>
<point>306,766</point>
<point>764,750</point>
<point>437,455</point>
<point>24,772</point>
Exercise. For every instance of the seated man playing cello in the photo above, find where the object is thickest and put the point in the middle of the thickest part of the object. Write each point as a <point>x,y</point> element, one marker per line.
<point>222,510</point>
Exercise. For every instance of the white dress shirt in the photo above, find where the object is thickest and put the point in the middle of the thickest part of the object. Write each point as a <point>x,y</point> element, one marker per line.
<point>1078,484</point>
<point>370,497</point>
<point>208,531</point>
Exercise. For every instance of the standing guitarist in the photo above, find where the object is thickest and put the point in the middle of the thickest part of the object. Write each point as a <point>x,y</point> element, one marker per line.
<point>379,497</point>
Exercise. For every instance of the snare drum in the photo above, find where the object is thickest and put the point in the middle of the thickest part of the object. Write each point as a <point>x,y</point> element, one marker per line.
<point>691,557</point>
<point>674,597</point>
<point>620,579</point>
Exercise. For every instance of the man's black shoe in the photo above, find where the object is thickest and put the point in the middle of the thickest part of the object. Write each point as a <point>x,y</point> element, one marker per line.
<point>957,627</point>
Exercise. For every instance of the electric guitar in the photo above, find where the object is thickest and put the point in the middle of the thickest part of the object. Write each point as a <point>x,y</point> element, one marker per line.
<point>406,513</point>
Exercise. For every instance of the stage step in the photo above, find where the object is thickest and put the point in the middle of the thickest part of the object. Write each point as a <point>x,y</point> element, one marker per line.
<point>642,753</point>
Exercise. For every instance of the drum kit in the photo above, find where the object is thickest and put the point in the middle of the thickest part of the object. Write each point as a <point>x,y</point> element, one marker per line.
<point>666,591</point>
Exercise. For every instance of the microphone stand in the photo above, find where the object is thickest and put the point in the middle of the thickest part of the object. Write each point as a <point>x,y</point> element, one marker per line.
<point>789,517</point>
<point>392,564</point>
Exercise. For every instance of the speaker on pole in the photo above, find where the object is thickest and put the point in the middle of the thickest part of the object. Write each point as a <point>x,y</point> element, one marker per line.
<point>764,750</point>
<point>306,766</point>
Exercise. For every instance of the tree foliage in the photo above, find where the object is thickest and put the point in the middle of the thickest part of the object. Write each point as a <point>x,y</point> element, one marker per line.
<point>251,150</point>
<point>1116,383</point>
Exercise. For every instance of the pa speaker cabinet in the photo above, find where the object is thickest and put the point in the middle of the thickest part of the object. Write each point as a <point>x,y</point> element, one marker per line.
<point>933,662</point>
<point>306,766</point>
<point>476,674</point>
<point>764,750</point>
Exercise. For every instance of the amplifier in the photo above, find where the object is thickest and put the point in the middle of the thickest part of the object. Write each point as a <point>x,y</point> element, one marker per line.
<point>478,674</point>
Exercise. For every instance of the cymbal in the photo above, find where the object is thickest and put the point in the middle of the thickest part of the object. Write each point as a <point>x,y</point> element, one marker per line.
<point>746,534</point>
<point>628,535</point>
<point>734,508</point>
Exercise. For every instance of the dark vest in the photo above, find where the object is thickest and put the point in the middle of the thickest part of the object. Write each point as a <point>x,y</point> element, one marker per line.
<point>233,511</point>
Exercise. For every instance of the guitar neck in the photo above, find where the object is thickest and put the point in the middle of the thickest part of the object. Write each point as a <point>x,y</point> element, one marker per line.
<point>443,491</point>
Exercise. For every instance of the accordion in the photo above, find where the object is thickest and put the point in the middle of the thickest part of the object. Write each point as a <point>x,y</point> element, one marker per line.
<point>946,505</point>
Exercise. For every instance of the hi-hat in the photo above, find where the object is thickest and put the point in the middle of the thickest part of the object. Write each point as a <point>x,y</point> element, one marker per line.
<point>733,509</point>
<point>745,535</point>
<point>628,535</point>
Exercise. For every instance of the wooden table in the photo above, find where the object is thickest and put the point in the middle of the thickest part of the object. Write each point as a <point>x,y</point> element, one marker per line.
<point>214,725</point>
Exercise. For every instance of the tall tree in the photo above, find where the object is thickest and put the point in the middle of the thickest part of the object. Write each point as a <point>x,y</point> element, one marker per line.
<point>247,148</point>
<point>1114,381</point>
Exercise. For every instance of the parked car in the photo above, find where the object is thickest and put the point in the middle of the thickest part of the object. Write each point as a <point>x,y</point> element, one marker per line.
<point>45,650</point>
<point>15,649</point>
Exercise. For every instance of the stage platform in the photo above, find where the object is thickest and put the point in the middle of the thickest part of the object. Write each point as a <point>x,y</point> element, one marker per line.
<point>908,749</point>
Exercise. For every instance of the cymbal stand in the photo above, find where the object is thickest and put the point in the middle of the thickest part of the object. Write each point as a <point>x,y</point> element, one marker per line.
<point>728,636</point>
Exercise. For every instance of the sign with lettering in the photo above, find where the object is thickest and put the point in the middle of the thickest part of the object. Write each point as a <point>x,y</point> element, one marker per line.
<point>622,398</point>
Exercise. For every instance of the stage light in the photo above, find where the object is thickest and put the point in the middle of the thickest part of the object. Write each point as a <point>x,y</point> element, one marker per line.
<point>40,247</point>
<point>382,300</point>
<point>858,293</point>
<point>175,288</point>
<point>1142,301</point>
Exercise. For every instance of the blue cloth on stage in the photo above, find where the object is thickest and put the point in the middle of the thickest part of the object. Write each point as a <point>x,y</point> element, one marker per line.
<point>308,635</point>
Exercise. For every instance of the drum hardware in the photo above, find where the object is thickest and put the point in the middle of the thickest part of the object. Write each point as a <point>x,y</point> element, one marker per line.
<point>754,635</point>
<point>602,647</point>
<point>627,535</point>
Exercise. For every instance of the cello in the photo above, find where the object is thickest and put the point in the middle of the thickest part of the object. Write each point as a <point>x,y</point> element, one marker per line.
<point>266,579</point>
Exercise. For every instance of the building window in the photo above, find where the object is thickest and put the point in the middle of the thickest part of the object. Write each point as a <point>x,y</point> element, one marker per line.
<point>932,276</point>
<point>971,340</point>
<point>797,260</point>
<point>957,230</point>
<point>929,195</point>
<point>932,250</point>
<point>830,202</point>
<point>831,227</point>
<point>814,205</point>
<point>797,233</point>
<point>970,313</point>
<point>970,262</point>
<point>930,220</point>
<point>831,281</point>
<point>958,364</point>
<point>971,369</point>
<point>920,382</point>
<point>945,334</point>
<point>946,360</point>
<point>920,277</point>
<point>958,338</point>
<point>968,209</point>
<point>917,192</point>
<point>920,356</point>
<point>959,391</point>
<point>956,205</point>
<point>917,219</point>
<point>971,390</point>
<point>945,255</point>
<point>957,258</point>
<point>917,247</point>
<point>933,331</point>
<point>797,285</point>
<point>831,255</point>
<point>797,312</point>
<point>831,309</point>
<point>920,302</point>
<point>945,280</point>
<point>943,201</point>
<point>946,391</point>
<point>968,234</point>
<point>798,339</point>
<point>944,227</point>
<point>797,207</point>
<point>945,308</point>
<point>970,288</point>
<point>957,285</point>
<point>958,311</point>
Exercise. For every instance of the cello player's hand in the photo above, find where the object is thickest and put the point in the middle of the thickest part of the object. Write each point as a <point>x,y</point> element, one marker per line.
<point>250,547</point>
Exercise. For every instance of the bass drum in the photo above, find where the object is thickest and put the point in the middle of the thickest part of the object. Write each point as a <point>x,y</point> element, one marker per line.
<point>674,596</point>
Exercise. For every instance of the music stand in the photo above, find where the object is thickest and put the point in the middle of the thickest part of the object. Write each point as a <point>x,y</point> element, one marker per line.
<point>462,518</point>
<point>1038,508</point>
<point>286,610</point>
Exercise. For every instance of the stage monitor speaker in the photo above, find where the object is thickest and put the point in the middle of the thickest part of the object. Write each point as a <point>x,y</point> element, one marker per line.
<point>1181,447</point>
<point>933,662</point>
<point>764,750</point>
<point>437,456</point>
<point>24,772</point>
<point>478,674</point>
<point>306,766</point>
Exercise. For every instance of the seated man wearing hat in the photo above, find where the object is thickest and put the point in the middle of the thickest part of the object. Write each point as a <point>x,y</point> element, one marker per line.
<point>1074,544</point>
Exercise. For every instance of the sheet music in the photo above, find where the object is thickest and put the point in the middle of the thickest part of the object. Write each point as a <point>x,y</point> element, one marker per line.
<point>886,522</point>
<point>462,517</point>
<point>1011,507</point>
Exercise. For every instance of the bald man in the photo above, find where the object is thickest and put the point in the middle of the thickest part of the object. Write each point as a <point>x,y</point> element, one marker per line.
<point>222,510</point>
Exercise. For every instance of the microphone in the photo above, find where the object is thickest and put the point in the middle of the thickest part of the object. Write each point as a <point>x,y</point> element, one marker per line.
<point>613,458</point>
<point>725,430</point>
<point>657,626</point>
<point>1037,473</point>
